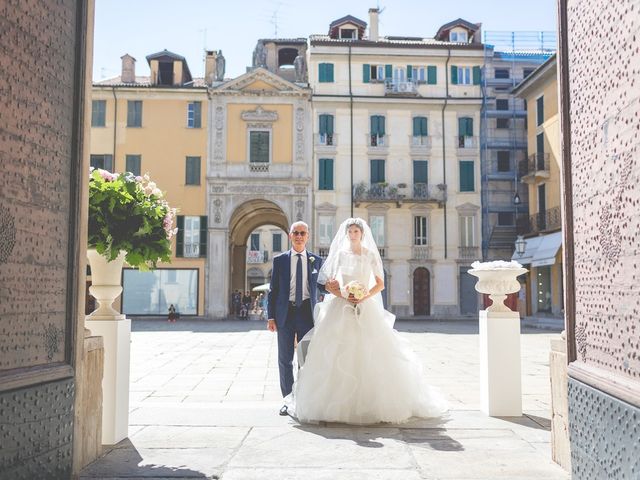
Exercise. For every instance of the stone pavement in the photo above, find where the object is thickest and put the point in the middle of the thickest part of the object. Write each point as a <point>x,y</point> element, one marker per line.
<point>205,397</point>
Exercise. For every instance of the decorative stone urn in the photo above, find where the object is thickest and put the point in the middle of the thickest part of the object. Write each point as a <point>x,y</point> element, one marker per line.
<point>497,279</point>
<point>105,282</point>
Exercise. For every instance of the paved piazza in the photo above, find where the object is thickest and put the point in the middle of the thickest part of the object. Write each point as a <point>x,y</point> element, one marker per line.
<point>205,399</point>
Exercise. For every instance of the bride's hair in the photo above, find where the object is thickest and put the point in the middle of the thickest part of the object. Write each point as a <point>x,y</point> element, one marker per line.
<point>357,222</point>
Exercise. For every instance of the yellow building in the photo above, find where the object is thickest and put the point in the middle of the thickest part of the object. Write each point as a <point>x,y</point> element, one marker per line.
<point>541,231</point>
<point>157,125</point>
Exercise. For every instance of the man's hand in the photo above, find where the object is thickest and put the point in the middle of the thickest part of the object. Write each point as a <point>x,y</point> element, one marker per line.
<point>333,287</point>
<point>271,325</point>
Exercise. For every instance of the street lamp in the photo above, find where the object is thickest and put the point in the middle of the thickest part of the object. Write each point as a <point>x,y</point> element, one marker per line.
<point>516,202</point>
<point>521,245</point>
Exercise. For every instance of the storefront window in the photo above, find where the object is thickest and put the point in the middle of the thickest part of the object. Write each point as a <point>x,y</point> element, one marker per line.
<point>543,289</point>
<point>151,293</point>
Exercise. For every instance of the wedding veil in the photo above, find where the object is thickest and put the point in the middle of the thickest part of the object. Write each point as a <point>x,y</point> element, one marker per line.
<point>341,243</point>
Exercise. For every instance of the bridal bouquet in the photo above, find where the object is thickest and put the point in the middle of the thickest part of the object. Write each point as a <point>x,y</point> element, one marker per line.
<point>355,290</point>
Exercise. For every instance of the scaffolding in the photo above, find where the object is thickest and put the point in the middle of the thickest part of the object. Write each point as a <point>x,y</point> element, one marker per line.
<point>515,52</point>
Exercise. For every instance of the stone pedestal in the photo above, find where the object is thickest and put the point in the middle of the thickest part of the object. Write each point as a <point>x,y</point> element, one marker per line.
<point>89,391</point>
<point>560,451</point>
<point>116,333</point>
<point>500,364</point>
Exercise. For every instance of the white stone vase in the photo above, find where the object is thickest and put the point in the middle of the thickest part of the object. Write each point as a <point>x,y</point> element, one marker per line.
<point>105,282</point>
<point>498,283</point>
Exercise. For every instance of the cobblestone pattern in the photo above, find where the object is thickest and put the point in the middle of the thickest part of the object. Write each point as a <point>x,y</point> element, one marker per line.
<point>605,141</point>
<point>36,430</point>
<point>604,435</point>
<point>36,100</point>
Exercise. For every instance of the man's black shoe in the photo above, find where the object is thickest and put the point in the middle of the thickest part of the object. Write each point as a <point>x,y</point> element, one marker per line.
<point>283,411</point>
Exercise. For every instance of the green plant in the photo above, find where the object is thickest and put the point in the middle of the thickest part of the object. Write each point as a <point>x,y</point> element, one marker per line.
<point>129,213</point>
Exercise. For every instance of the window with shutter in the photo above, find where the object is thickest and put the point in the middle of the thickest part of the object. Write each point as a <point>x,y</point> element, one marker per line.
<point>377,171</point>
<point>194,115</point>
<point>192,171</point>
<point>326,129</point>
<point>134,113</point>
<point>98,113</point>
<point>420,171</point>
<point>259,148</point>
<point>133,164</point>
<point>432,75</point>
<point>467,183</point>
<point>325,176</point>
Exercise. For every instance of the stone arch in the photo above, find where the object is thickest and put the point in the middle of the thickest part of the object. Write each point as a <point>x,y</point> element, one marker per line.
<point>245,218</point>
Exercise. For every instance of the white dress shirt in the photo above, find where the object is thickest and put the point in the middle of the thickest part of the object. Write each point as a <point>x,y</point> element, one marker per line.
<point>305,275</point>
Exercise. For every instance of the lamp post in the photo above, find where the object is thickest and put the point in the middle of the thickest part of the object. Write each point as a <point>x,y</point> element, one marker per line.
<point>516,202</point>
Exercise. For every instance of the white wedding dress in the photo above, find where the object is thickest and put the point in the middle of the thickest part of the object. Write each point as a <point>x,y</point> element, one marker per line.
<point>358,370</point>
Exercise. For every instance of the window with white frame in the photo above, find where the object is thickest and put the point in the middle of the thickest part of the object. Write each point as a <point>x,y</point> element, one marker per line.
<point>259,146</point>
<point>376,222</point>
<point>377,73</point>
<point>465,76</point>
<point>326,229</point>
<point>191,236</point>
<point>420,230</point>
<point>194,115</point>
<point>458,36</point>
<point>467,231</point>
<point>418,74</point>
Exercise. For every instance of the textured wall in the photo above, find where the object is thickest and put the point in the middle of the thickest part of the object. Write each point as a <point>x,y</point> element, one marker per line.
<point>604,70</point>
<point>39,96</point>
<point>602,47</point>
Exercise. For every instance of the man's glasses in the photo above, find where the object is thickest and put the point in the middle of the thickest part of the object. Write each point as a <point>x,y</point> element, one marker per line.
<point>295,233</point>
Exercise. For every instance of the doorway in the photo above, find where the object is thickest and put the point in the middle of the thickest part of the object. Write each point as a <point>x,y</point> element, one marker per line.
<point>421,291</point>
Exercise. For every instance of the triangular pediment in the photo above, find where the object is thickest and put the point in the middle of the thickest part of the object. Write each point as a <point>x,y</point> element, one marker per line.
<point>259,80</point>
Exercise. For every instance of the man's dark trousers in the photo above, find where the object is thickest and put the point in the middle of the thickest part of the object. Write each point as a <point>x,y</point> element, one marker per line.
<point>299,322</point>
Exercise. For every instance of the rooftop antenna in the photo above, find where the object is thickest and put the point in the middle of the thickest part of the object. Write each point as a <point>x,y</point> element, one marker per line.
<point>204,48</point>
<point>274,19</point>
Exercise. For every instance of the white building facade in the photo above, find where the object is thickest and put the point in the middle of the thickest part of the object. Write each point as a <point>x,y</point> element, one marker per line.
<point>395,141</point>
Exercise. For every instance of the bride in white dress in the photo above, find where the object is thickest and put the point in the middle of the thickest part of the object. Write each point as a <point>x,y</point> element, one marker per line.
<point>358,370</point>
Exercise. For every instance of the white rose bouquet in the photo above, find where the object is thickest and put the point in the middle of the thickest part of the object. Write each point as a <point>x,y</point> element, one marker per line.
<point>355,290</point>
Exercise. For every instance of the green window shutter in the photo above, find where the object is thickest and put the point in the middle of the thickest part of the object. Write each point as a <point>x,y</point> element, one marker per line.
<point>374,125</point>
<point>377,171</point>
<point>366,73</point>
<point>466,176</point>
<point>454,75</point>
<point>416,126</point>
<point>329,125</point>
<point>424,127</point>
<point>329,75</point>
<point>323,125</point>
<point>321,73</point>
<point>432,75</point>
<point>388,72</point>
<point>381,129</point>
<point>476,75</point>
<point>326,174</point>
<point>409,72</point>
<point>469,131</point>
<point>462,126</point>
<point>180,236</point>
<point>420,171</point>
<point>204,231</point>
<point>197,114</point>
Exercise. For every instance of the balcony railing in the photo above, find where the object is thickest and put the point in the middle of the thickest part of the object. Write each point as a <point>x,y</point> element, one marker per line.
<point>191,250</point>
<point>537,164</point>
<point>323,252</point>
<point>421,252</point>
<point>419,141</point>
<point>326,140</point>
<point>400,88</point>
<point>468,253</point>
<point>463,141</point>
<point>258,167</point>
<point>377,141</point>
<point>545,221</point>
<point>401,192</point>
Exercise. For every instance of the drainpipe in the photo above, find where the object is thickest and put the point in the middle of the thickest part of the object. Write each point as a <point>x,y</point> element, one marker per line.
<point>115,124</point>
<point>444,162</point>
<point>351,129</point>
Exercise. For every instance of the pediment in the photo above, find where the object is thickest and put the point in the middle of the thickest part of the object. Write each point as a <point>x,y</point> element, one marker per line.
<point>259,80</point>
<point>467,207</point>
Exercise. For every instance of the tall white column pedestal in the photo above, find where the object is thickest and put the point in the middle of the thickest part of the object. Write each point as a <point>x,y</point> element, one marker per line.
<point>500,364</point>
<point>116,334</point>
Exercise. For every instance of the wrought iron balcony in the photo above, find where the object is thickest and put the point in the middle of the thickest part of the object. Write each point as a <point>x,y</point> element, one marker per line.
<point>545,221</point>
<point>421,252</point>
<point>400,88</point>
<point>258,167</point>
<point>399,193</point>
<point>326,140</point>
<point>468,253</point>
<point>464,141</point>
<point>536,166</point>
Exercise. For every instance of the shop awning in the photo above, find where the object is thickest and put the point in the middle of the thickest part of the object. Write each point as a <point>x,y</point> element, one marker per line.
<point>547,250</point>
<point>529,251</point>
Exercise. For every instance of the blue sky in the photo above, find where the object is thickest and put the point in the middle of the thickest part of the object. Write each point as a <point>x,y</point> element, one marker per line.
<point>186,27</point>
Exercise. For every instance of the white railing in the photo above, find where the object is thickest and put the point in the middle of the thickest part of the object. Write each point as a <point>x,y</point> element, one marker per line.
<point>191,250</point>
<point>326,140</point>
<point>463,141</point>
<point>377,140</point>
<point>421,252</point>
<point>420,140</point>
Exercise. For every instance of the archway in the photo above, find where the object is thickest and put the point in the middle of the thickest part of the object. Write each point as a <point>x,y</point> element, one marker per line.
<point>245,219</point>
<point>421,291</point>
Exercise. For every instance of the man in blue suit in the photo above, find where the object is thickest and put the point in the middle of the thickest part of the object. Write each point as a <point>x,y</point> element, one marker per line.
<point>292,297</point>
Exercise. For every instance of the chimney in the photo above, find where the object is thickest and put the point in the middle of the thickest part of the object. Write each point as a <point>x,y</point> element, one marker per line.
<point>373,24</point>
<point>477,37</point>
<point>128,74</point>
<point>210,67</point>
